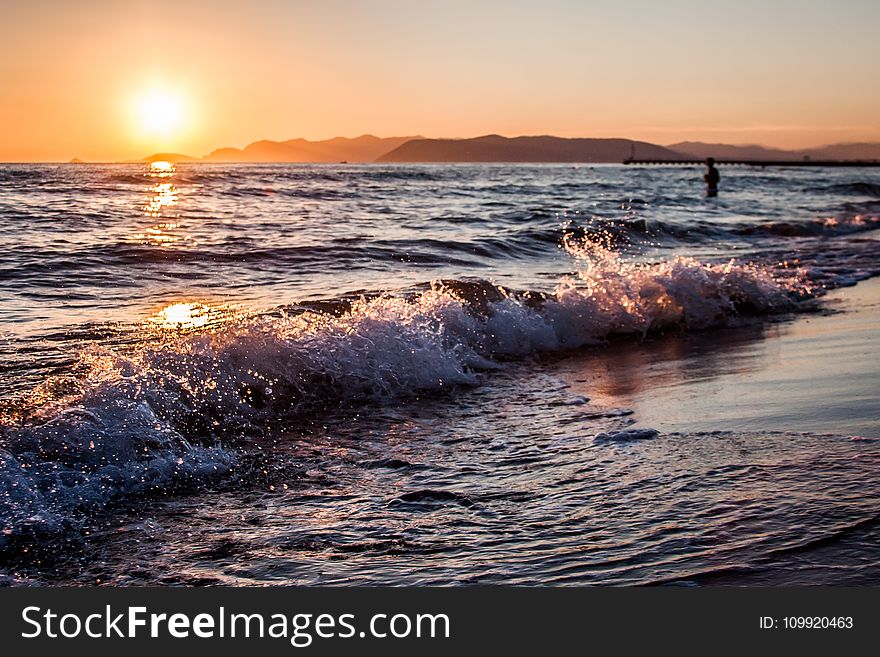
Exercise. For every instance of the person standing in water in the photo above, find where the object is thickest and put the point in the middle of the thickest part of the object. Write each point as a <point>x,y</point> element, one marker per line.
<point>712,177</point>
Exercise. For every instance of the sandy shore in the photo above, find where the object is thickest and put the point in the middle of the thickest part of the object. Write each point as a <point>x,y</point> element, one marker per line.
<point>817,373</point>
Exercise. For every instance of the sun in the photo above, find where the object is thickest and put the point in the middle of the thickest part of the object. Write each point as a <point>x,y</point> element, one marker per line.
<point>160,113</point>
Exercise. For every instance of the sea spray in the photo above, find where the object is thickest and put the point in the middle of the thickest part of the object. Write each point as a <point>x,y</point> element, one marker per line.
<point>180,410</point>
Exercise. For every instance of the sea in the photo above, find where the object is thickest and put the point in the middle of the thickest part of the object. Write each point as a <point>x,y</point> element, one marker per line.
<point>390,375</point>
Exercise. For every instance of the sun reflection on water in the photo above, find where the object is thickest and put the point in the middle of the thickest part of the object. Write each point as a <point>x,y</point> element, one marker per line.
<point>186,315</point>
<point>161,169</point>
<point>160,203</point>
<point>163,195</point>
<point>158,234</point>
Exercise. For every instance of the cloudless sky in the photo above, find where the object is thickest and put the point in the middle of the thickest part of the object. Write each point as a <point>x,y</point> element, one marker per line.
<point>778,72</point>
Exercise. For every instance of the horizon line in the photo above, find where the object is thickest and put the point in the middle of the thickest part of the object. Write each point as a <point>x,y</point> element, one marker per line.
<point>200,159</point>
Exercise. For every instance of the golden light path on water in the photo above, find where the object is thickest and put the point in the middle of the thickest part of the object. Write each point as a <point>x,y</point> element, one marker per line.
<point>186,315</point>
<point>161,200</point>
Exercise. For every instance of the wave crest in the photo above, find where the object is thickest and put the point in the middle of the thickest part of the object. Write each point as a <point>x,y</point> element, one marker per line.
<point>172,413</point>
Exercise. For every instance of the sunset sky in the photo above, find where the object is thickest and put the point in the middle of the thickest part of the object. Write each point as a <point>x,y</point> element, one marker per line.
<point>114,80</point>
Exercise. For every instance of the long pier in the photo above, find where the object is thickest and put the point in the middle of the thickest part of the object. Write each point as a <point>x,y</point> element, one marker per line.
<point>761,163</point>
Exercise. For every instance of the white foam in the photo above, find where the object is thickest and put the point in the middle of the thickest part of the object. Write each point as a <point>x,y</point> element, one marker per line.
<point>157,417</point>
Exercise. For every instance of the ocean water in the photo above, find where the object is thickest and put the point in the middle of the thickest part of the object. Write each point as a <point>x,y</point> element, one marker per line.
<point>349,374</point>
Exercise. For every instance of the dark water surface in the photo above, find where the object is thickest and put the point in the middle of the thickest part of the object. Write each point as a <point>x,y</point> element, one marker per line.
<point>437,374</point>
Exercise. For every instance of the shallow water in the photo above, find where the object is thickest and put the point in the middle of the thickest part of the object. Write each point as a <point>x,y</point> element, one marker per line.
<point>244,374</point>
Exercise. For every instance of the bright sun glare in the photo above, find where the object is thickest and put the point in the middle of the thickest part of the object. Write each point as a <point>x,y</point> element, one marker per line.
<point>184,316</point>
<point>160,113</point>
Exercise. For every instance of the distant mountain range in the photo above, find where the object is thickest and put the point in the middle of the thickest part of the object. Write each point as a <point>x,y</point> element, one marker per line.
<point>365,148</point>
<point>859,151</point>
<point>495,148</point>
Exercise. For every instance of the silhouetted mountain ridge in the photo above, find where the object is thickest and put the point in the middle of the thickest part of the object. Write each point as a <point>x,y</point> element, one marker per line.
<point>544,148</point>
<point>169,157</point>
<point>366,148</point>
<point>496,148</point>
<point>698,149</point>
<point>852,151</point>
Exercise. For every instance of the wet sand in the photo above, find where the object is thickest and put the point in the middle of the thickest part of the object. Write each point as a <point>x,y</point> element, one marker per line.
<point>814,373</point>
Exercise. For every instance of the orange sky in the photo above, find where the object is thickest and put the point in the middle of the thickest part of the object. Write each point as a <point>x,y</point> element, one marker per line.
<point>789,74</point>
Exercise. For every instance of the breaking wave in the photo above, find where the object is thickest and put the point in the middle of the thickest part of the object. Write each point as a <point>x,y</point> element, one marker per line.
<point>830,226</point>
<point>178,411</point>
<point>613,232</point>
<point>858,188</point>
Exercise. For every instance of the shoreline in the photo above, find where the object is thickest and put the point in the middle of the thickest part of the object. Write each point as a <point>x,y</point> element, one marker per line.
<point>814,373</point>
